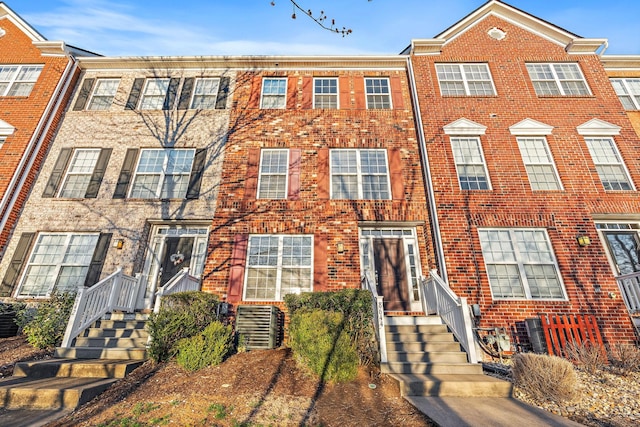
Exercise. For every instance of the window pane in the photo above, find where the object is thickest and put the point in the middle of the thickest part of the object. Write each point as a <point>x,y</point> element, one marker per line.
<point>539,163</point>
<point>273,174</point>
<point>359,174</point>
<point>103,94</point>
<point>154,93</point>
<point>205,94</point>
<point>608,164</point>
<point>557,79</point>
<point>79,173</point>
<point>325,93</point>
<point>274,93</point>
<point>469,164</point>
<point>378,94</point>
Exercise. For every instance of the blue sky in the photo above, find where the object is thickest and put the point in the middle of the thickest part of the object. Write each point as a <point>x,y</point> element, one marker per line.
<point>254,27</point>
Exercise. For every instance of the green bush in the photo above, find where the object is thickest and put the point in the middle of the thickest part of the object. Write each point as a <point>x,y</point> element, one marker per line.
<point>356,307</point>
<point>182,315</point>
<point>545,378</point>
<point>320,342</point>
<point>45,324</point>
<point>210,347</point>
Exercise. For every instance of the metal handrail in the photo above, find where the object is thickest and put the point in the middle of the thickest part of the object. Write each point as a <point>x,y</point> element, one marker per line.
<point>181,282</point>
<point>438,298</point>
<point>115,292</point>
<point>630,288</point>
<point>378,316</point>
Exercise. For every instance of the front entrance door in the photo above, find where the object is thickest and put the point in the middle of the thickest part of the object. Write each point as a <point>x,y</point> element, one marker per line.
<point>391,274</point>
<point>623,247</point>
<point>177,255</point>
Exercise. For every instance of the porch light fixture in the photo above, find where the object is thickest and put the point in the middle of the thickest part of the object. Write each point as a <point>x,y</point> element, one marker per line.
<point>118,243</point>
<point>340,247</point>
<point>584,240</point>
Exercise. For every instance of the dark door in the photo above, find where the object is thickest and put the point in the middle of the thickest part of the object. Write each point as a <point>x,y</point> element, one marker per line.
<point>391,274</point>
<point>624,247</point>
<point>177,255</point>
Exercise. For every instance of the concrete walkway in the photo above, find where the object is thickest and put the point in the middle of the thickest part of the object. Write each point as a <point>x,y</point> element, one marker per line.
<point>485,411</point>
<point>30,417</point>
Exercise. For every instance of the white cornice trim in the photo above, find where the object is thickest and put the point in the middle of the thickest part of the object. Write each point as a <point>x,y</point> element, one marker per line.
<point>464,127</point>
<point>530,127</point>
<point>597,127</point>
<point>6,129</point>
<point>613,62</point>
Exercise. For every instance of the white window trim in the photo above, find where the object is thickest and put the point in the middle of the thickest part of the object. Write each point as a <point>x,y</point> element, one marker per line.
<point>337,91</point>
<point>366,94</point>
<point>359,172</point>
<point>195,84</point>
<point>286,90</point>
<point>618,155</point>
<point>144,88</point>
<point>93,93</point>
<point>520,266</point>
<point>484,161</point>
<point>624,82</point>
<point>278,291</point>
<point>163,173</point>
<point>14,79</point>
<point>68,172</point>
<point>286,174</point>
<point>551,162</point>
<point>465,80</point>
<point>558,81</point>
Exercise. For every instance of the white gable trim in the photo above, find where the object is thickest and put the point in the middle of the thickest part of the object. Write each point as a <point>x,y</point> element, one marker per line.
<point>464,127</point>
<point>6,129</point>
<point>530,127</point>
<point>7,13</point>
<point>596,127</point>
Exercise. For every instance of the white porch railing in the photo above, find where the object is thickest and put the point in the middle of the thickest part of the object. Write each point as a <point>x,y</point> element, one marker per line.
<point>181,282</point>
<point>438,298</point>
<point>378,316</point>
<point>630,288</point>
<point>115,292</point>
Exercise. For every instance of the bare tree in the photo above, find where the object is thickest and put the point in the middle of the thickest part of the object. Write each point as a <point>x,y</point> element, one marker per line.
<point>319,18</point>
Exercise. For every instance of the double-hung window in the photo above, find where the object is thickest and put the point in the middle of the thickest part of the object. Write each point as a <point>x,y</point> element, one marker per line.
<point>465,79</point>
<point>378,93</point>
<point>205,93</point>
<point>558,79</point>
<point>628,90</point>
<point>274,93</point>
<point>611,169</point>
<point>539,163</point>
<point>470,164</point>
<point>18,80</point>
<point>162,174</point>
<point>520,264</point>
<point>278,265</point>
<point>325,93</point>
<point>274,169</point>
<point>359,174</point>
<point>103,94</point>
<point>79,173</point>
<point>154,93</point>
<point>59,261</point>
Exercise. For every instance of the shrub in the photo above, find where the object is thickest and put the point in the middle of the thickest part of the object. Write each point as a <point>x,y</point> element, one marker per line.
<point>320,342</point>
<point>181,315</point>
<point>625,358</point>
<point>587,356</point>
<point>45,324</point>
<point>210,347</point>
<point>544,377</point>
<point>356,307</point>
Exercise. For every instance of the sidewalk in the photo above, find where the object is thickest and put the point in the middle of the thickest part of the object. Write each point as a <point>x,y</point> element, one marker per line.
<point>30,417</point>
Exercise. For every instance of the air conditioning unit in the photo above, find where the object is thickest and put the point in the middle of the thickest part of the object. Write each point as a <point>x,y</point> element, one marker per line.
<point>536,335</point>
<point>259,325</point>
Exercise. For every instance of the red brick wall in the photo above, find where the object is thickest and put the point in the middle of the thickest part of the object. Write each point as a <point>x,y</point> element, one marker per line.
<point>511,202</point>
<point>24,113</point>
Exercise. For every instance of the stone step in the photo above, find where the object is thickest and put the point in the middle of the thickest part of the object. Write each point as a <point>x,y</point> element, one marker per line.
<point>120,324</point>
<point>430,368</point>
<point>431,356</point>
<point>420,337</point>
<point>453,385</point>
<point>425,329</point>
<point>412,320</point>
<point>86,368</point>
<point>132,353</point>
<point>126,316</point>
<point>50,393</point>
<point>115,333</point>
<point>423,346</point>
<point>107,342</point>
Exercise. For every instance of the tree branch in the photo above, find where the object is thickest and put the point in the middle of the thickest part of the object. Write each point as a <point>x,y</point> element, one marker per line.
<point>320,19</point>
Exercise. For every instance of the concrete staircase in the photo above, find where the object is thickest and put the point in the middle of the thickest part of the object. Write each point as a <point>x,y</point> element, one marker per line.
<point>104,353</point>
<point>426,360</point>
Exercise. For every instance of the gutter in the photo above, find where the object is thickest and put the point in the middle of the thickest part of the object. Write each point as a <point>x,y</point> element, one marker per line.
<point>35,144</point>
<point>426,175</point>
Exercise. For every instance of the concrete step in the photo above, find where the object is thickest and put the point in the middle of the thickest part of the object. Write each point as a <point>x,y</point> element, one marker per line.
<point>420,337</point>
<point>423,346</point>
<point>120,324</point>
<point>50,393</point>
<point>86,368</point>
<point>110,342</point>
<point>126,316</point>
<point>431,356</point>
<point>132,353</point>
<point>430,368</point>
<point>425,329</point>
<point>115,333</point>
<point>412,320</point>
<point>453,385</point>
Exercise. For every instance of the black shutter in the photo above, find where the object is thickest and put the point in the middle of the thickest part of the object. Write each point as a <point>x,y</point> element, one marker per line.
<point>197,169</point>
<point>97,260</point>
<point>223,92</point>
<point>185,95</point>
<point>170,97</point>
<point>58,171</point>
<point>10,279</point>
<point>98,173</point>
<point>85,91</point>
<point>134,95</point>
<point>125,173</point>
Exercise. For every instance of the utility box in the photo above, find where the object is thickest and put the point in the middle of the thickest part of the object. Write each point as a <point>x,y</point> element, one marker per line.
<point>259,325</point>
<point>536,335</point>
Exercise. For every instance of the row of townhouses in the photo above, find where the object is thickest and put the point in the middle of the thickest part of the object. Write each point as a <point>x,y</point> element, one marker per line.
<point>501,156</point>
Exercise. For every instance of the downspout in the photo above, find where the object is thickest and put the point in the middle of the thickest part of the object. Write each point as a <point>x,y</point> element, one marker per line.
<point>426,174</point>
<point>31,153</point>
